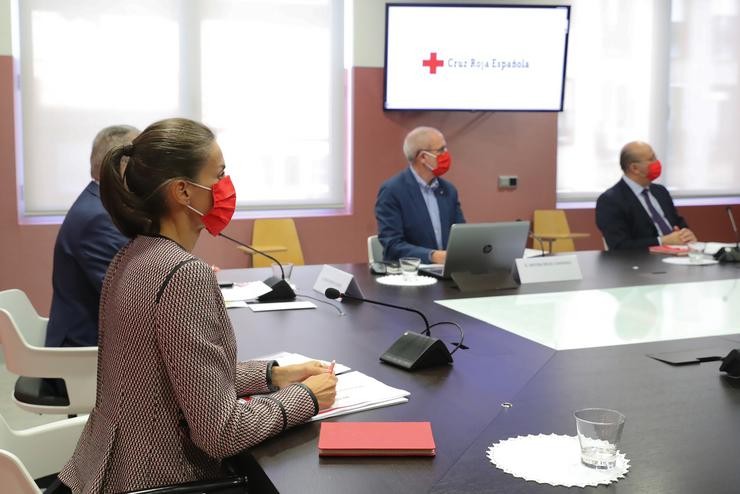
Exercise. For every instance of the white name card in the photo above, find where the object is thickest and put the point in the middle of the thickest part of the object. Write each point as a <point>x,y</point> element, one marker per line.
<point>548,268</point>
<point>331,277</point>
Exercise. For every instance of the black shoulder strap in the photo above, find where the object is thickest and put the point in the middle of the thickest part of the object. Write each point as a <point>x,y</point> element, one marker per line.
<point>169,277</point>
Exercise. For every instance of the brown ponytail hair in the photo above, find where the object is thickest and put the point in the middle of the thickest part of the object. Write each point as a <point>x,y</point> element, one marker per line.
<point>132,191</point>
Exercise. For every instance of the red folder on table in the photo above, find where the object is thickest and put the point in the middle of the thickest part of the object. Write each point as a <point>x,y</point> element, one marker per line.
<point>674,250</point>
<point>376,439</point>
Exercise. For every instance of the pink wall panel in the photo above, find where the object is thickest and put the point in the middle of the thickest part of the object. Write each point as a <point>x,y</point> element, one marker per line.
<point>483,146</point>
<point>25,251</point>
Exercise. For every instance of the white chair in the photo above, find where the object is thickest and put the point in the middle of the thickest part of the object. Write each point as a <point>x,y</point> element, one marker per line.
<point>22,335</point>
<point>15,477</point>
<point>374,249</point>
<point>43,449</point>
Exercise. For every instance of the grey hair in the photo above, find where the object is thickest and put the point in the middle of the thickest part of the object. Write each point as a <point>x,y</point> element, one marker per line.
<point>417,140</point>
<point>107,139</point>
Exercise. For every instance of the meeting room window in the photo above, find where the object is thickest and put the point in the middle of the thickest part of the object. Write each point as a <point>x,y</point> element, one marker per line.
<point>268,76</point>
<point>663,71</point>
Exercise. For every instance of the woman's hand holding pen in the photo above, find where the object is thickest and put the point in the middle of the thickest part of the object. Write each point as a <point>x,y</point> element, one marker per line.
<point>324,387</point>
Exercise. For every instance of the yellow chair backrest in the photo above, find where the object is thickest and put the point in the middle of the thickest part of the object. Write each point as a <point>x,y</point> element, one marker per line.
<point>552,221</point>
<point>277,232</point>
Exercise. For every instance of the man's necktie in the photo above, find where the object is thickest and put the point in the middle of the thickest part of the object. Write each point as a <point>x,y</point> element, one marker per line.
<point>655,215</point>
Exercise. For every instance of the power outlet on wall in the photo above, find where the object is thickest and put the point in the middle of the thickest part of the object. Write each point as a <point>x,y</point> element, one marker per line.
<point>507,181</point>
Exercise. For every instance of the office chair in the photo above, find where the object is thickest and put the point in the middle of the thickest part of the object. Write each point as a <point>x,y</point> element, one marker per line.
<point>43,449</point>
<point>277,233</point>
<point>16,478</point>
<point>374,249</point>
<point>22,336</point>
<point>231,485</point>
<point>551,231</point>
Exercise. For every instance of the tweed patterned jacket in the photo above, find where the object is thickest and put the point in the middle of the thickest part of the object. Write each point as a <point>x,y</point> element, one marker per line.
<point>166,409</point>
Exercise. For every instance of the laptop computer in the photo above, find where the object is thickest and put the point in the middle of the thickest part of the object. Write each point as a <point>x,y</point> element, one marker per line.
<point>483,251</point>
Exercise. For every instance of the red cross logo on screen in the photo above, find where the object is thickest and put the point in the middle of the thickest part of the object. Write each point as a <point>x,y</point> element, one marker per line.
<point>433,63</point>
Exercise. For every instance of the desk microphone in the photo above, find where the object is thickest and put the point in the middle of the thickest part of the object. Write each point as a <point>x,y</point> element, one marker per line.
<point>412,350</point>
<point>334,294</point>
<point>730,254</point>
<point>734,227</point>
<point>280,289</point>
<point>731,364</point>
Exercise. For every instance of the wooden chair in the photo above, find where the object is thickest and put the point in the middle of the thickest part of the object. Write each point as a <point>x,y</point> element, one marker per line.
<point>551,232</point>
<point>278,237</point>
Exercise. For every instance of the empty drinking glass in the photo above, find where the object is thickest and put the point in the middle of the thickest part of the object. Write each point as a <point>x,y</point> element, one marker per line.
<point>599,432</point>
<point>696,251</point>
<point>287,269</point>
<point>410,266</point>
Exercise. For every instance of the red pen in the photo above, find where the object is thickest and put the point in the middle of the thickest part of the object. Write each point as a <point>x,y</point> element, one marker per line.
<point>331,366</point>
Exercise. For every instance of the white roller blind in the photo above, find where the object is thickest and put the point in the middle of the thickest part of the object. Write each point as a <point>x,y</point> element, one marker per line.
<point>615,82</point>
<point>667,72</point>
<point>267,76</point>
<point>704,126</point>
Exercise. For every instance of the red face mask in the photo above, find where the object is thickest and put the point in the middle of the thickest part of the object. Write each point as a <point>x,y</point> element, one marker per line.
<point>653,170</point>
<point>224,204</point>
<point>444,161</point>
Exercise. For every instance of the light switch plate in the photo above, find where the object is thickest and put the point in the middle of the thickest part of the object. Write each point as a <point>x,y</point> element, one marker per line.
<point>507,181</point>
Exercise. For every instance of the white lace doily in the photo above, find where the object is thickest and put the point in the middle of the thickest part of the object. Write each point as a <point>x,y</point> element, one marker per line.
<point>401,280</point>
<point>551,459</point>
<point>685,261</point>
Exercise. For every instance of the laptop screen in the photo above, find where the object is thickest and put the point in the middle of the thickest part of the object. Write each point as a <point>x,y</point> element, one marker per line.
<point>480,248</point>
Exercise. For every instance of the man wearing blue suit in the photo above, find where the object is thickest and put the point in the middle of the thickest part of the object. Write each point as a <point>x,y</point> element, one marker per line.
<point>637,213</point>
<point>85,245</point>
<point>416,208</point>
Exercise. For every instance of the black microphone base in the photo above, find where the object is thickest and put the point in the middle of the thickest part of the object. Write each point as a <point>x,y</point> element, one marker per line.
<point>414,351</point>
<point>731,364</point>
<point>728,254</point>
<point>281,291</point>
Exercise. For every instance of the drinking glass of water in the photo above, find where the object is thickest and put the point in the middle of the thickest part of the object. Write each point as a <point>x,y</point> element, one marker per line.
<point>409,266</point>
<point>599,433</point>
<point>696,251</point>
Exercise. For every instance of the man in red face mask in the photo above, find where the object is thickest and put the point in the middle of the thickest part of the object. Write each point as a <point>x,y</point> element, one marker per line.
<point>637,213</point>
<point>416,208</point>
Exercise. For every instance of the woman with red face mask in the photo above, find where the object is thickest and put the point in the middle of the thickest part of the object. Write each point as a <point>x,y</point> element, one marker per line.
<point>167,409</point>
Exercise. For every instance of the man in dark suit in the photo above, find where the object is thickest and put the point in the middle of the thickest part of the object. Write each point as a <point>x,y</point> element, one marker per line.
<point>416,208</point>
<point>637,213</point>
<point>85,245</point>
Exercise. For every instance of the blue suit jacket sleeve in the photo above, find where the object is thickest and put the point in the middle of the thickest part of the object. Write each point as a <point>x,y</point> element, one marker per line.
<point>389,215</point>
<point>99,242</point>
<point>86,242</point>
<point>404,226</point>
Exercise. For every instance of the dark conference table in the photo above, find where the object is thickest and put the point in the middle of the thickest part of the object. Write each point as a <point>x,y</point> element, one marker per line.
<point>682,432</point>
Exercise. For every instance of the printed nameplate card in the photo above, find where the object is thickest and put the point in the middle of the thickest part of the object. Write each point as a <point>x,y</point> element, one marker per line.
<point>331,277</point>
<point>548,268</point>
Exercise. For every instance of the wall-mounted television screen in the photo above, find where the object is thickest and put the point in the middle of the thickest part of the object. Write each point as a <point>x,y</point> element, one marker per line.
<point>475,57</point>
